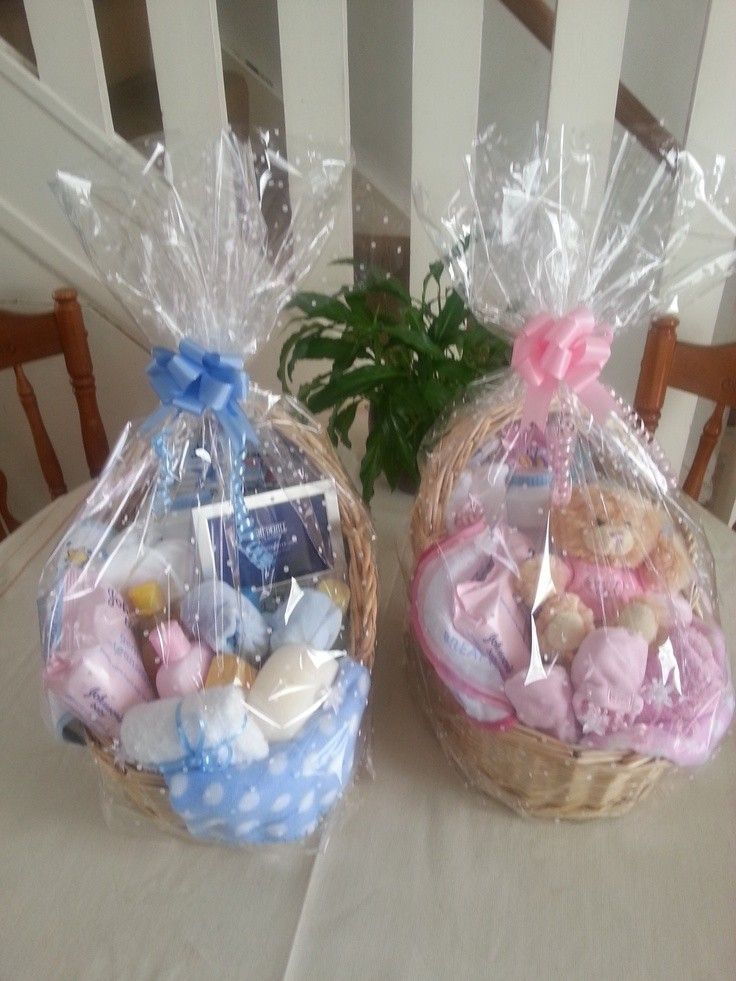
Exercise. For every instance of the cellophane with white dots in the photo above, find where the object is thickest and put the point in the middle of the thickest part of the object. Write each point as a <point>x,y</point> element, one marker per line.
<point>198,616</point>
<point>561,581</point>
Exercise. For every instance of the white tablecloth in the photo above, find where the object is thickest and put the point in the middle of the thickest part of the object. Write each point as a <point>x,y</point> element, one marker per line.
<point>420,878</point>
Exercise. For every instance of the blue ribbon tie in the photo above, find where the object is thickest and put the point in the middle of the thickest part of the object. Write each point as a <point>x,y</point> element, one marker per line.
<point>194,380</point>
<point>195,755</point>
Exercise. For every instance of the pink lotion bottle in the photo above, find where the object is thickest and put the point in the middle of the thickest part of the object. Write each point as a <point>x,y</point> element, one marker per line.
<point>184,665</point>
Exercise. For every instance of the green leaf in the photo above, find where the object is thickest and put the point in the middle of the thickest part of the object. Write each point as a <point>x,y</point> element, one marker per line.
<point>359,381</point>
<point>376,280</point>
<point>340,422</point>
<point>436,396</point>
<point>381,283</point>
<point>317,305</point>
<point>313,385</point>
<point>409,358</point>
<point>319,348</point>
<point>361,315</point>
<point>445,328</point>
<point>370,465</point>
<point>400,426</point>
<point>286,363</point>
<point>435,273</point>
<point>417,342</point>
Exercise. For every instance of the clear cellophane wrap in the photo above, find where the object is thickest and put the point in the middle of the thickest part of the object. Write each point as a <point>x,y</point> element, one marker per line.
<point>561,584</point>
<point>208,619</point>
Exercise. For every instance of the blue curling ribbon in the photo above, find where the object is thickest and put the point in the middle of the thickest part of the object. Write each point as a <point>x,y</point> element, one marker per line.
<point>194,380</point>
<point>195,756</point>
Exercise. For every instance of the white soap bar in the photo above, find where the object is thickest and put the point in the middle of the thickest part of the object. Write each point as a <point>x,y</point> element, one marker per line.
<point>290,687</point>
<point>212,723</point>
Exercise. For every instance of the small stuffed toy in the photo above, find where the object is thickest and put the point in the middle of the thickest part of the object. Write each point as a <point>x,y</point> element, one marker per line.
<point>616,561</point>
<point>221,617</point>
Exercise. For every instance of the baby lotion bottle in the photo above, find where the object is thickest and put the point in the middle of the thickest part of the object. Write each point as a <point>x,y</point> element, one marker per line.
<point>183,664</point>
<point>527,501</point>
<point>150,611</point>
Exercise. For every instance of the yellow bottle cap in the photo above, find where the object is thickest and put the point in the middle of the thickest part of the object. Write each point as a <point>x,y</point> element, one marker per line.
<point>147,598</point>
<point>228,669</point>
<point>338,591</point>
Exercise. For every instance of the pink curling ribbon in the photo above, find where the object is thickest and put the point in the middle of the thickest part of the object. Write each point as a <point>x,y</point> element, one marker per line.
<point>566,350</point>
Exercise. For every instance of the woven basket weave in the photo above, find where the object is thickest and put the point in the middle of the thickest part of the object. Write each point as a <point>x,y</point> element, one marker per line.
<point>146,792</point>
<point>533,773</point>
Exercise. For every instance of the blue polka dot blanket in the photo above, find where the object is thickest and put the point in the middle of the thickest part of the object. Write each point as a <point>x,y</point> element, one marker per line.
<point>285,796</point>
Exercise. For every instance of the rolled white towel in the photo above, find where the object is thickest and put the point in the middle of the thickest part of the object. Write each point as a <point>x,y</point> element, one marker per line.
<point>208,729</point>
<point>130,562</point>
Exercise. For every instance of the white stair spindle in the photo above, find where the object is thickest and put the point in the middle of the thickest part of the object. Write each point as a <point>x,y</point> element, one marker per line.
<point>185,39</point>
<point>314,76</point>
<point>68,56</point>
<point>445,78</point>
<point>586,66</point>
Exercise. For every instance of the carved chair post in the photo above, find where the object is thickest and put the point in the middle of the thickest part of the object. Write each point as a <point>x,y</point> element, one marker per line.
<point>655,369</point>
<point>73,336</point>
<point>50,466</point>
<point>705,371</point>
<point>708,441</point>
<point>7,522</point>
<point>32,337</point>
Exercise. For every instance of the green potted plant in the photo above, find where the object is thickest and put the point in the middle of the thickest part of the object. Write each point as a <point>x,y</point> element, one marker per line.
<point>407,358</point>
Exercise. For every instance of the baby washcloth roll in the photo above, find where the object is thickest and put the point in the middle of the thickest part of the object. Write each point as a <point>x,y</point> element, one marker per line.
<point>207,730</point>
<point>307,616</point>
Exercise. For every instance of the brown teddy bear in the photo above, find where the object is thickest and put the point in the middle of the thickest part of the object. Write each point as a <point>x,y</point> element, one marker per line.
<point>615,561</point>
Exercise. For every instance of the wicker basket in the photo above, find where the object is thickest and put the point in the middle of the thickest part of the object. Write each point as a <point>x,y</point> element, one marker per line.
<point>146,792</point>
<point>533,773</point>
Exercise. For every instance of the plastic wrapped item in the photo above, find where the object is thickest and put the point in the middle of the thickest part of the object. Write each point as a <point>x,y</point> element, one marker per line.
<point>208,620</point>
<point>564,633</point>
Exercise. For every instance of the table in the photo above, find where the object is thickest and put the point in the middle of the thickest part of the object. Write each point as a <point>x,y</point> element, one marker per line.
<point>420,878</point>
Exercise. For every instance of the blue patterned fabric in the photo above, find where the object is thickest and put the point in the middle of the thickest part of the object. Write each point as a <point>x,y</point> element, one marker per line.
<point>284,797</point>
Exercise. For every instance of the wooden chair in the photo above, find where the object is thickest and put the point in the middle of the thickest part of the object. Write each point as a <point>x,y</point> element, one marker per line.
<point>706,371</point>
<point>30,337</point>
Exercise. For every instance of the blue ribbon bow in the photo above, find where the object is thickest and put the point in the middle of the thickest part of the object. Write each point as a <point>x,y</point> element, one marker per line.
<point>194,380</point>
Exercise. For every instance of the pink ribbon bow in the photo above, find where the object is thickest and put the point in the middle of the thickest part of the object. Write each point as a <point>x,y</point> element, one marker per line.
<point>566,350</point>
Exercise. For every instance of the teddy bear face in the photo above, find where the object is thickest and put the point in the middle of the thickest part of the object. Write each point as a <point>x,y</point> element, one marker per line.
<point>608,524</point>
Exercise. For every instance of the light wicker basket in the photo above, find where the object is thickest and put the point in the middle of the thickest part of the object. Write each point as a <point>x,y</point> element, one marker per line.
<point>528,771</point>
<point>145,791</point>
